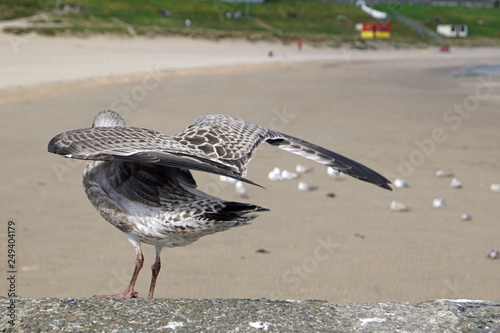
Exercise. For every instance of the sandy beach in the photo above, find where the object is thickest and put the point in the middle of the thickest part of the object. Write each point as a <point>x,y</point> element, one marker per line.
<point>405,113</point>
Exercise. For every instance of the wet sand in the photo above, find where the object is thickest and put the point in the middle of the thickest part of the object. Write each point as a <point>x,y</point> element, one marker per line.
<point>397,112</point>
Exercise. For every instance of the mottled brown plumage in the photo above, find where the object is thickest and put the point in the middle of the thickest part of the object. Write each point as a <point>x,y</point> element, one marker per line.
<point>139,179</point>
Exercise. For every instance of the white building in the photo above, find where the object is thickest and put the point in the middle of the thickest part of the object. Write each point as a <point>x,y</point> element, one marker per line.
<point>452,30</point>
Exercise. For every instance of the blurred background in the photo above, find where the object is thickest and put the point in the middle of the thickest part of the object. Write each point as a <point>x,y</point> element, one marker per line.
<point>410,89</point>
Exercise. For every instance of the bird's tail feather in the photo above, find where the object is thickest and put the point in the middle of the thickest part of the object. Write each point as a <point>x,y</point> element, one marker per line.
<point>235,211</point>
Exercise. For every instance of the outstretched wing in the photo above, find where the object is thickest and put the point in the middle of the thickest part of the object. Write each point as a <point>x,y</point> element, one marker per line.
<point>232,142</point>
<point>215,143</point>
<point>229,140</point>
<point>138,145</point>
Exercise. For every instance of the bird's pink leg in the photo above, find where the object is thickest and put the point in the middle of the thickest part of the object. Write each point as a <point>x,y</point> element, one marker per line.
<point>130,293</point>
<point>155,269</point>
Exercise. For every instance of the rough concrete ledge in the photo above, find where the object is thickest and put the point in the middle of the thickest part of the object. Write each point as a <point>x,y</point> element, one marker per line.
<point>241,315</point>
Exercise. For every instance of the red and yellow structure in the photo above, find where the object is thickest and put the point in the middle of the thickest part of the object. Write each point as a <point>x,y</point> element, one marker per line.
<point>371,30</point>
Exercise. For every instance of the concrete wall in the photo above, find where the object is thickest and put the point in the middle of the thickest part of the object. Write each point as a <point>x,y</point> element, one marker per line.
<point>240,315</point>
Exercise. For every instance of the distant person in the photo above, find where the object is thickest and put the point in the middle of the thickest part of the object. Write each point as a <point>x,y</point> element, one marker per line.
<point>444,48</point>
<point>299,45</point>
<point>270,54</point>
<point>187,23</point>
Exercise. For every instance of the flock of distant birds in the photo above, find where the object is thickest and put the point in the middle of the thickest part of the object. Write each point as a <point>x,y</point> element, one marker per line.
<point>278,174</point>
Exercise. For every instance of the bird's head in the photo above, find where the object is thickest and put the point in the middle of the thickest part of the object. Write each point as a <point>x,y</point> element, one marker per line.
<point>108,118</point>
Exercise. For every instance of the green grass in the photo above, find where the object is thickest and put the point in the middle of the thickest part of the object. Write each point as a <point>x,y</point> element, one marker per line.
<point>11,9</point>
<point>316,22</point>
<point>313,17</point>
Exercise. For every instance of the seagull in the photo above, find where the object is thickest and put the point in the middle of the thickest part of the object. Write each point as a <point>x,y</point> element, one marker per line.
<point>140,181</point>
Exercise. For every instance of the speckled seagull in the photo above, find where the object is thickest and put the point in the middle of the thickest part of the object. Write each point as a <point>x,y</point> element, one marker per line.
<point>139,179</point>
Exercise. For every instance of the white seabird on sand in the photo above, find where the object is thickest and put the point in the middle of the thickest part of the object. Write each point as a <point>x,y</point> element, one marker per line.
<point>396,206</point>
<point>438,203</point>
<point>444,174</point>
<point>303,186</point>
<point>275,175</point>
<point>455,183</point>
<point>226,179</point>
<point>493,254</point>
<point>140,181</point>
<point>302,169</point>
<point>401,183</point>
<point>333,173</point>
<point>279,175</point>
<point>288,175</point>
<point>240,189</point>
<point>466,217</point>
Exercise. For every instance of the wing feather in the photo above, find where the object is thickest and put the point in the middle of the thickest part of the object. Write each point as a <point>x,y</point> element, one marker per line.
<point>131,144</point>
<point>234,141</point>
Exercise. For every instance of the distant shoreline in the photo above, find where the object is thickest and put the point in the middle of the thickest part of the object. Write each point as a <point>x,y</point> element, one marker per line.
<point>108,59</point>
